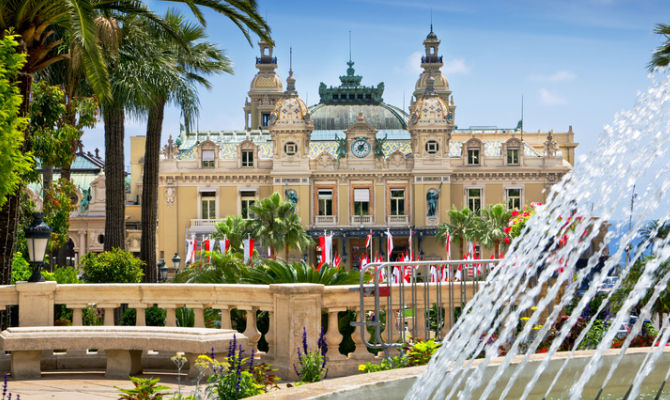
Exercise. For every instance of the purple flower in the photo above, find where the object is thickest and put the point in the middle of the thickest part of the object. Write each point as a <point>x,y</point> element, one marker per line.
<point>304,339</point>
<point>231,346</point>
<point>251,360</point>
<point>212,355</point>
<point>4,386</point>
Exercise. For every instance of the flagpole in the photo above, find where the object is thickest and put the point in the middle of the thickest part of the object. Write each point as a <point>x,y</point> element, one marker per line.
<point>371,239</point>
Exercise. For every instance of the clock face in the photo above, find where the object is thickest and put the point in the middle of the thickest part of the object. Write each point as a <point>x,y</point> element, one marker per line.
<point>360,148</point>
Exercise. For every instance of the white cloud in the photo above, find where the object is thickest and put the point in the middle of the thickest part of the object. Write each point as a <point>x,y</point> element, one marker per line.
<point>551,99</point>
<point>412,65</point>
<point>456,66</point>
<point>558,76</point>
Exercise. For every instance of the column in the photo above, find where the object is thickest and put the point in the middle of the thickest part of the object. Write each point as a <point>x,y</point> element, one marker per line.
<point>296,307</point>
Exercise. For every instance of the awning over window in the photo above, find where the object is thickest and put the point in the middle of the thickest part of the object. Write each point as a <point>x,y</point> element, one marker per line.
<point>362,195</point>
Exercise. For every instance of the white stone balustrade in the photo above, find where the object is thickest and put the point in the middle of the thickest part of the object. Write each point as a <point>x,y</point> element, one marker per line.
<point>291,307</point>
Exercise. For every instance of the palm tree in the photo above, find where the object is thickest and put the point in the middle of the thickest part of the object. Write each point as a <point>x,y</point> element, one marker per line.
<point>294,235</point>
<point>495,219</point>
<point>172,82</point>
<point>464,226</point>
<point>245,16</point>
<point>36,21</point>
<point>661,56</point>
<point>235,229</point>
<point>268,222</point>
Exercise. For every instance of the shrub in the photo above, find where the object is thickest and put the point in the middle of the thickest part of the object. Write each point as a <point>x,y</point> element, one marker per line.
<point>115,266</point>
<point>21,270</point>
<point>62,275</point>
<point>312,363</point>
<point>145,389</point>
<point>418,353</point>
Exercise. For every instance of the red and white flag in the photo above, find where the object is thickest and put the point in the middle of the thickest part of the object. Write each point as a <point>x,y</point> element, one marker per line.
<point>336,260</point>
<point>458,276</point>
<point>364,261</point>
<point>207,246</point>
<point>396,275</point>
<point>389,245</point>
<point>248,250</point>
<point>224,245</point>
<point>411,251</point>
<point>191,247</point>
<point>368,241</point>
<point>445,273</point>
<point>433,274</point>
<point>326,245</point>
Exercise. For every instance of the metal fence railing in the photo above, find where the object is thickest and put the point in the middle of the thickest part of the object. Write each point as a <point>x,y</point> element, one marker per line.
<point>415,299</point>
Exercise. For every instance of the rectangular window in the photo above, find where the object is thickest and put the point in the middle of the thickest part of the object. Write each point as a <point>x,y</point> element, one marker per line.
<point>513,199</point>
<point>208,205</point>
<point>325,201</point>
<point>208,158</point>
<point>475,200</point>
<point>247,158</point>
<point>397,201</point>
<point>265,119</point>
<point>248,200</point>
<point>513,156</point>
<point>361,201</point>
<point>473,156</point>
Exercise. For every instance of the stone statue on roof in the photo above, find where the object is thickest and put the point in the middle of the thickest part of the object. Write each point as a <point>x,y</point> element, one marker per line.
<point>341,147</point>
<point>379,146</point>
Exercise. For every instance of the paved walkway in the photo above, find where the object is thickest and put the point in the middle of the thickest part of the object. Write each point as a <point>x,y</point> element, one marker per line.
<point>82,386</point>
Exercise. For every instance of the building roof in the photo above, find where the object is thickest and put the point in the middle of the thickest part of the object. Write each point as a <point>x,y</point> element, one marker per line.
<point>330,117</point>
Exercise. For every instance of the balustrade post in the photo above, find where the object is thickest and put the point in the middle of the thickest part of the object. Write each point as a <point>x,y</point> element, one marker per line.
<point>36,303</point>
<point>420,321</point>
<point>361,352</point>
<point>109,313</point>
<point>296,307</point>
<point>333,336</point>
<point>198,315</point>
<point>251,332</point>
<point>225,315</point>
<point>140,314</point>
<point>170,314</point>
<point>77,319</point>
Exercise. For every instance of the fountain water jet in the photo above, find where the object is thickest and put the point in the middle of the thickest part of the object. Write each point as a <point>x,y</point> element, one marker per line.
<point>632,149</point>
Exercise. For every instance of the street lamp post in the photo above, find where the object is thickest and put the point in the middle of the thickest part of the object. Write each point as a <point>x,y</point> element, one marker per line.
<point>162,271</point>
<point>176,262</point>
<point>37,237</point>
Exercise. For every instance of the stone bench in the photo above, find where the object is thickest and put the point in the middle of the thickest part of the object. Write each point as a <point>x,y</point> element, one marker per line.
<point>123,345</point>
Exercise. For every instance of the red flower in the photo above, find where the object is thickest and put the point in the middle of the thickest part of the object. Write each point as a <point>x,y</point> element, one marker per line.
<point>515,213</point>
<point>526,213</point>
<point>507,230</point>
<point>507,240</point>
<point>543,350</point>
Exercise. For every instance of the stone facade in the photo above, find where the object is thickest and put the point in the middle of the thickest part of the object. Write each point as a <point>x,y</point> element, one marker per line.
<point>354,163</point>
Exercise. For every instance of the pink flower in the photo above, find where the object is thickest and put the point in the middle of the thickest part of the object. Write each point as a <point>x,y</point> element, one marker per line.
<point>526,214</point>
<point>507,240</point>
<point>507,230</point>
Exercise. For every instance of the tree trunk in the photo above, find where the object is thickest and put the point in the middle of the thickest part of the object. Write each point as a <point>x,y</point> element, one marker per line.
<point>496,249</point>
<point>150,192</point>
<point>115,191</point>
<point>286,252</point>
<point>462,246</point>
<point>47,176</point>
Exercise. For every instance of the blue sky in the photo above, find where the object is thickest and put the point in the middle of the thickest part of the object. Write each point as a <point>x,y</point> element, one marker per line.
<point>576,62</point>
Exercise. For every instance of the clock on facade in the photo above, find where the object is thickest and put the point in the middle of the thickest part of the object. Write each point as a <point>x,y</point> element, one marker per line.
<point>360,147</point>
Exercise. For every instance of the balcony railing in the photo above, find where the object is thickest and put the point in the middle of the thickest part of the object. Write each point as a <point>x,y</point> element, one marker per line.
<point>204,225</point>
<point>325,220</point>
<point>361,219</point>
<point>431,59</point>
<point>397,219</point>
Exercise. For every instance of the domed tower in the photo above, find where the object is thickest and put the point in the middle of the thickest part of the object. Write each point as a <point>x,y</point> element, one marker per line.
<point>431,63</point>
<point>430,125</point>
<point>266,88</point>
<point>290,127</point>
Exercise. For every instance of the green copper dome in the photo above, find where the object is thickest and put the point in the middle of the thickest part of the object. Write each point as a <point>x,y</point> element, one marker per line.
<point>340,105</point>
<point>339,117</point>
